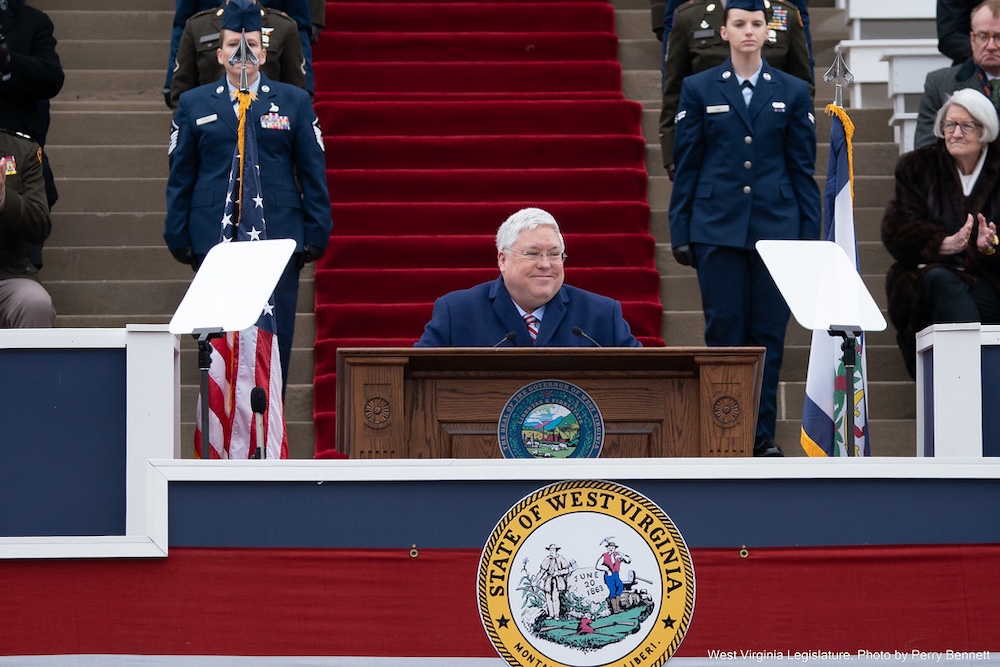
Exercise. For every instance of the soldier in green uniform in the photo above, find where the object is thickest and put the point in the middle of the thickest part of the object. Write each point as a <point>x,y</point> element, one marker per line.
<point>24,219</point>
<point>198,64</point>
<point>695,45</point>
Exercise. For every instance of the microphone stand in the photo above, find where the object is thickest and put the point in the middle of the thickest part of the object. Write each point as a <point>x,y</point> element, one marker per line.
<point>204,364</point>
<point>850,335</point>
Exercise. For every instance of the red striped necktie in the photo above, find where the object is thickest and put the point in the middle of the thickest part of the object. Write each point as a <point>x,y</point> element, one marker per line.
<point>532,323</point>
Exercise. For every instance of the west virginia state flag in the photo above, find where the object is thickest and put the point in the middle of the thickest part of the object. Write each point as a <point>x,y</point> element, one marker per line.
<point>823,415</point>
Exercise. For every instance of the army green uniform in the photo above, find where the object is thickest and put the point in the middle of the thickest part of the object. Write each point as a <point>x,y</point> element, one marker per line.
<point>198,64</point>
<point>695,45</point>
<point>24,219</point>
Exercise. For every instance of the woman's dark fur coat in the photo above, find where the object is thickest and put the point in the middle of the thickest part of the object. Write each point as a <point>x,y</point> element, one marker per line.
<point>928,206</point>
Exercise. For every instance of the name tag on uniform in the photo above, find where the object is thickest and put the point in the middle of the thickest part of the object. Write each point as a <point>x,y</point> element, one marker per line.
<point>207,119</point>
<point>703,34</point>
<point>204,39</point>
<point>273,121</point>
<point>717,108</point>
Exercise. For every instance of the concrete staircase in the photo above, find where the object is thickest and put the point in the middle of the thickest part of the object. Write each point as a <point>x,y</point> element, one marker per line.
<point>892,407</point>
<point>106,265</point>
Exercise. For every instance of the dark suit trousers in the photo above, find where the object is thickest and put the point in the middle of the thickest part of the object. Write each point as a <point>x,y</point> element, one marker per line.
<point>743,307</point>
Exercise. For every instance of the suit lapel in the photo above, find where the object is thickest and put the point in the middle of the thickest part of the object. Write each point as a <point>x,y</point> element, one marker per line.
<point>763,94</point>
<point>506,312</point>
<point>222,105</point>
<point>731,91</point>
<point>555,311</point>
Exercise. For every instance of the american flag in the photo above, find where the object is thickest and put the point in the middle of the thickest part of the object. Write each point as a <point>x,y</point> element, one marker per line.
<point>242,360</point>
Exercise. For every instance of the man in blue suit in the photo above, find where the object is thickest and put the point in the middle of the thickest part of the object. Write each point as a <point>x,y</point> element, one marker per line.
<point>528,304</point>
<point>290,159</point>
<point>745,151</point>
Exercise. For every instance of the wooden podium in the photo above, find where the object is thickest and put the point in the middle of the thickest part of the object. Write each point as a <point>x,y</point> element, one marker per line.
<point>425,403</point>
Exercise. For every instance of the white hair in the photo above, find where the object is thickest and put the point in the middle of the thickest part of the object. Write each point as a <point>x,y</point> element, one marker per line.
<point>526,218</point>
<point>979,107</point>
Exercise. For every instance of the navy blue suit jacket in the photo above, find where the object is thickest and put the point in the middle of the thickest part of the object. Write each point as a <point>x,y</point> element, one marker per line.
<point>291,160</point>
<point>744,173</point>
<point>482,315</point>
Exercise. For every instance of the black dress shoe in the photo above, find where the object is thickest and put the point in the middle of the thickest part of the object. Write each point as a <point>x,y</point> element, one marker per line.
<point>763,446</point>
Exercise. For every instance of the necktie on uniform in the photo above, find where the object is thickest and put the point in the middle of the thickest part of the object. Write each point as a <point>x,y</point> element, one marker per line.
<point>995,92</point>
<point>532,323</point>
<point>747,89</point>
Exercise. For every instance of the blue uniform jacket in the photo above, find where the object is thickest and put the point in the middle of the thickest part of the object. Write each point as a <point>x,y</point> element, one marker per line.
<point>482,315</point>
<point>744,173</point>
<point>291,161</point>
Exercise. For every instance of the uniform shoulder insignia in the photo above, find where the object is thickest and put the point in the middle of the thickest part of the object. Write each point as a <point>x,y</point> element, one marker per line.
<point>38,153</point>
<point>14,133</point>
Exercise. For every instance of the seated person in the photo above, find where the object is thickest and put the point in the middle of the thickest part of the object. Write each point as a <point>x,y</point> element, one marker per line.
<point>24,219</point>
<point>940,226</point>
<point>528,304</point>
<point>981,72</point>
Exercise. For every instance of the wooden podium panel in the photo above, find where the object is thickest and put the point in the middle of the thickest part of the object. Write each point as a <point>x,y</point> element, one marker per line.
<point>426,403</point>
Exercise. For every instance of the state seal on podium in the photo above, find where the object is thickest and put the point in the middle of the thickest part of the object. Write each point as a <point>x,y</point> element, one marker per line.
<point>550,419</point>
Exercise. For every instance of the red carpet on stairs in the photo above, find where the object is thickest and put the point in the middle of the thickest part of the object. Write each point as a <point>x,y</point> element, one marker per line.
<point>441,119</point>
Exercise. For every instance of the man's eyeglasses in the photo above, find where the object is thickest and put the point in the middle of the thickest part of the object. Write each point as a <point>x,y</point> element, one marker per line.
<point>983,38</point>
<point>552,257</point>
<point>967,127</point>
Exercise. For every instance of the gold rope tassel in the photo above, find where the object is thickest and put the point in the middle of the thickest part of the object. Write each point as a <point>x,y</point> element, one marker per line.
<point>841,113</point>
<point>245,98</point>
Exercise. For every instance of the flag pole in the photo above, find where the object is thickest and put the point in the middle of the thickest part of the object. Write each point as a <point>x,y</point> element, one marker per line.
<point>838,74</point>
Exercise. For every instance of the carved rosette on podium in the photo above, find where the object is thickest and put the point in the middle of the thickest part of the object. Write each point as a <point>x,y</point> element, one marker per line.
<point>424,403</point>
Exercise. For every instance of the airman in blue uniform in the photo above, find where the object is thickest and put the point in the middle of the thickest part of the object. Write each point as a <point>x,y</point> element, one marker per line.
<point>745,153</point>
<point>290,158</point>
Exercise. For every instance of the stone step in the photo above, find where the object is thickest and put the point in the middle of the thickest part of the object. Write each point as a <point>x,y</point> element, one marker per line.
<point>80,23</point>
<point>150,297</point>
<point>119,195</point>
<point>81,229</point>
<point>51,6</point>
<point>642,85</point>
<point>639,54</point>
<point>110,123</point>
<point>634,24</point>
<point>127,85</point>
<point>85,54</point>
<point>112,161</point>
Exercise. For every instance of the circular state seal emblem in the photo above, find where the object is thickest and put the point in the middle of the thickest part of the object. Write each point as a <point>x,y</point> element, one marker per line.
<point>550,419</point>
<point>586,574</point>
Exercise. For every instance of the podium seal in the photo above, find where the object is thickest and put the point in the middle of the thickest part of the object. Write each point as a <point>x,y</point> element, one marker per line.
<point>550,419</point>
<point>586,574</point>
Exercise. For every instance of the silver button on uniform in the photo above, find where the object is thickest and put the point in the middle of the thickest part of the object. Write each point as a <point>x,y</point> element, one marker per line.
<point>747,165</point>
<point>746,189</point>
<point>748,139</point>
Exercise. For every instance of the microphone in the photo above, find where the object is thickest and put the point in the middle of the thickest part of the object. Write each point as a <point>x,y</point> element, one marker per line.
<point>509,338</point>
<point>577,331</point>
<point>258,403</point>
